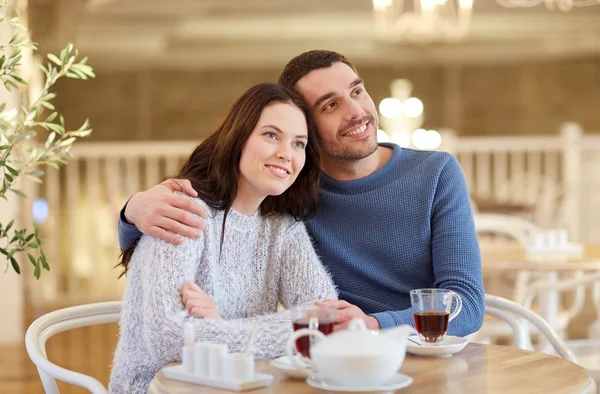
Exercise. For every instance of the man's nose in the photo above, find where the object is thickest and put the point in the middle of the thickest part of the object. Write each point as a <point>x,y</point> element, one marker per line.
<point>354,110</point>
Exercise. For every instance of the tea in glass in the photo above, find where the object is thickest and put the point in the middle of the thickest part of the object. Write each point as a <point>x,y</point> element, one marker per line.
<point>431,311</point>
<point>313,317</point>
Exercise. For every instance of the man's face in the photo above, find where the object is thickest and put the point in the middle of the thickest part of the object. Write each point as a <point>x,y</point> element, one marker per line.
<point>344,112</point>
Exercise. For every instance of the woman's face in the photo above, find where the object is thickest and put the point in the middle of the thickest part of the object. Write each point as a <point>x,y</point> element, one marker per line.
<point>274,154</point>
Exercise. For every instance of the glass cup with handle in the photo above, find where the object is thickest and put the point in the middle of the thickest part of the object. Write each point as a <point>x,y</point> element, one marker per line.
<point>432,312</point>
<point>313,317</point>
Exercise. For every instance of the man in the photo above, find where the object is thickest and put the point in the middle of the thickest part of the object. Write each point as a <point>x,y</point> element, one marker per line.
<point>390,219</point>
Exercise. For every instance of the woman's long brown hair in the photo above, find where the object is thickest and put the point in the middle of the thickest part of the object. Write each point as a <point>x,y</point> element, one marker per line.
<point>213,167</point>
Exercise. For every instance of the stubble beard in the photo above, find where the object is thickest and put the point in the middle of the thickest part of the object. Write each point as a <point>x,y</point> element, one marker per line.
<point>354,150</point>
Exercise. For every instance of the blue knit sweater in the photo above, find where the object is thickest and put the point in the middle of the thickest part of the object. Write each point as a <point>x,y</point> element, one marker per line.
<point>406,226</point>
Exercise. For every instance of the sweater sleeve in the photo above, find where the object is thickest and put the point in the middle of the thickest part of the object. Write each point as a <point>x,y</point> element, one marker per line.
<point>128,233</point>
<point>303,278</point>
<point>456,258</point>
<point>160,271</point>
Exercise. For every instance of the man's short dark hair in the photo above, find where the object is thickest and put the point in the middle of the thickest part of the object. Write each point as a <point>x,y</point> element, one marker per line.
<point>307,62</point>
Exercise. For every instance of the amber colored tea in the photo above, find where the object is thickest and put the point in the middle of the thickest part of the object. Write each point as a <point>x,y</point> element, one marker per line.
<point>303,343</point>
<point>431,325</point>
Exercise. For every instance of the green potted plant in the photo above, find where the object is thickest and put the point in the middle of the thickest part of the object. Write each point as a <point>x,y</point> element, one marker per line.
<point>33,135</point>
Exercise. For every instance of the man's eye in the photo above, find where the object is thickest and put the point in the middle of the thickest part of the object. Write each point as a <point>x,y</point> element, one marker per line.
<point>358,91</point>
<point>330,105</point>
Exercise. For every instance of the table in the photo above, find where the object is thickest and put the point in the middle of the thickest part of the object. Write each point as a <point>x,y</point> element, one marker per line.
<point>514,258</point>
<point>481,369</point>
<point>487,205</point>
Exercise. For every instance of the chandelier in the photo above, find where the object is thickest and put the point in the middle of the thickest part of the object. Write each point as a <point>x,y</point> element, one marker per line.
<point>423,20</point>
<point>401,118</point>
<point>562,5</point>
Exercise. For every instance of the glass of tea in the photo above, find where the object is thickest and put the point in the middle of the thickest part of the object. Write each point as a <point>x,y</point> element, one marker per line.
<point>314,317</point>
<point>431,311</point>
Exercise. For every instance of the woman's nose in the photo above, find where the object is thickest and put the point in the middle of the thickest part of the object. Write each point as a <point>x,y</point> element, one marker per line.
<point>284,154</point>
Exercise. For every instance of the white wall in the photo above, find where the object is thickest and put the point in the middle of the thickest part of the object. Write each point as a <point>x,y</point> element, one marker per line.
<point>11,284</point>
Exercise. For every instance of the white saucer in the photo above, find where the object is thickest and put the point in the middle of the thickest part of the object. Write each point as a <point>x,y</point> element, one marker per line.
<point>448,346</point>
<point>285,365</point>
<point>397,381</point>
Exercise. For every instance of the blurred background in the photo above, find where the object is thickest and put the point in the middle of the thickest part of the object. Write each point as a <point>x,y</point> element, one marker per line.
<point>512,91</point>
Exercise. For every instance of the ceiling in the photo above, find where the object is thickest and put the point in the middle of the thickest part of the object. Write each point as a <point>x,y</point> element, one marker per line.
<point>266,33</point>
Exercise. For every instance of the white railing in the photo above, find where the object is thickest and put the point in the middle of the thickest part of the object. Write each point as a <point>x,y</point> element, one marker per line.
<point>560,174</point>
<point>84,198</point>
<point>542,171</point>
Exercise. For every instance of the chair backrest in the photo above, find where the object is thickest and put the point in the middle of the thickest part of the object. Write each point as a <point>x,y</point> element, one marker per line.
<point>508,311</point>
<point>513,227</point>
<point>577,283</point>
<point>58,321</point>
<point>517,229</point>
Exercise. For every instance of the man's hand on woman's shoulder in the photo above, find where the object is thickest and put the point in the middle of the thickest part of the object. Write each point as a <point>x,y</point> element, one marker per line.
<point>161,213</point>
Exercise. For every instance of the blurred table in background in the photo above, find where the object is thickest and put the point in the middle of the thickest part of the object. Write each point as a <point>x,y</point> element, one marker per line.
<point>500,259</point>
<point>488,205</point>
<point>513,257</point>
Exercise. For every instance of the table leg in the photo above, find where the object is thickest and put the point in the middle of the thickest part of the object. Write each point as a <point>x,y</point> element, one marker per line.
<point>549,308</point>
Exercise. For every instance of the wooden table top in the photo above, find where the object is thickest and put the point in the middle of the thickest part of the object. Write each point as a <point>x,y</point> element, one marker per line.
<point>488,205</point>
<point>481,369</point>
<point>509,257</point>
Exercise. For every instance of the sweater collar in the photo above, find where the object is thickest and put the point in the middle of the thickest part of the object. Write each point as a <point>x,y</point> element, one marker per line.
<point>368,182</point>
<point>240,221</point>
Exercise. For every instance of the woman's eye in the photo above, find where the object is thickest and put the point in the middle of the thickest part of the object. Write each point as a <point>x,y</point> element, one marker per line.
<point>271,135</point>
<point>300,144</point>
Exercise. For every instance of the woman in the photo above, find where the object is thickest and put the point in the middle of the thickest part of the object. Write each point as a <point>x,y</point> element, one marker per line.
<point>257,176</point>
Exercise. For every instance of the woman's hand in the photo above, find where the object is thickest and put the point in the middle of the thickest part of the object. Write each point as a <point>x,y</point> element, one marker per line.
<point>198,303</point>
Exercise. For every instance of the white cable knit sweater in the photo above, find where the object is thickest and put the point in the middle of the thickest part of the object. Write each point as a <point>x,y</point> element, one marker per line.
<point>264,260</point>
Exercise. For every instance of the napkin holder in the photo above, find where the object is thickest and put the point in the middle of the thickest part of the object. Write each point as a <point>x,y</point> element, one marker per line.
<point>210,364</point>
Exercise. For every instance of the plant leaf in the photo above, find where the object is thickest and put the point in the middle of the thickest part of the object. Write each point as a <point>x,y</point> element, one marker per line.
<point>11,170</point>
<point>15,265</point>
<point>48,105</point>
<point>44,262</point>
<point>9,225</point>
<point>36,173</point>
<point>56,128</point>
<point>18,79</point>
<point>19,193</point>
<point>37,271</point>
<point>54,59</point>
<point>33,178</point>
<point>19,235</point>
<point>66,142</point>
<point>51,117</point>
